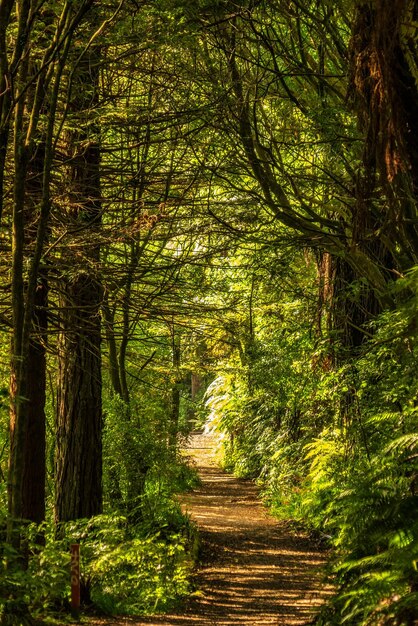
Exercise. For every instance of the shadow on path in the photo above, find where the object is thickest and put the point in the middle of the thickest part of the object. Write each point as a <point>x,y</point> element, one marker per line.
<point>256,571</point>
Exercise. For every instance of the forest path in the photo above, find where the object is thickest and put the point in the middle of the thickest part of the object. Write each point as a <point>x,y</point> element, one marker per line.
<point>256,571</point>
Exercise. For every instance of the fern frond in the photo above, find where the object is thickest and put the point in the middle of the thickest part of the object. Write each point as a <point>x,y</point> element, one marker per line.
<point>407,443</point>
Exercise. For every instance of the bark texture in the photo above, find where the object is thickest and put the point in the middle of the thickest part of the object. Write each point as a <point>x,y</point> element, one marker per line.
<point>384,86</point>
<point>79,423</point>
<point>79,406</point>
<point>34,468</point>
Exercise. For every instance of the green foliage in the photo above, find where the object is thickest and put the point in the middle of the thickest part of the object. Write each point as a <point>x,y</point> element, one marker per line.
<point>124,569</point>
<point>336,448</point>
<point>361,486</point>
<point>258,402</point>
<point>142,470</point>
<point>369,507</point>
<point>42,586</point>
<point>128,570</point>
<point>142,575</point>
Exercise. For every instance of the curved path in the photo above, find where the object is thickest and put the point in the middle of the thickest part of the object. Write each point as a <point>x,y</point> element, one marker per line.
<point>256,571</point>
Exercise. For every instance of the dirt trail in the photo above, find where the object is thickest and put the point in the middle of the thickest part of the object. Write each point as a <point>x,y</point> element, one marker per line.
<point>256,571</point>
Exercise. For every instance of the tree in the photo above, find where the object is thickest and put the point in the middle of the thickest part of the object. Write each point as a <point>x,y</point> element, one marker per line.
<point>79,409</point>
<point>295,140</point>
<point>36,76</point>
<point>5,91</point>
<point>383,60</point>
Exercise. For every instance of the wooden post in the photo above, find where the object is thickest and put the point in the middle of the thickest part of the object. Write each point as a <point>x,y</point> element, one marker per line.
<point>75,580</point>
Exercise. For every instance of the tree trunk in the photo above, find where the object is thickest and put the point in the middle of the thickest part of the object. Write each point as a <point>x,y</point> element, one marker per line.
<point>79,420</point>
<point>175,391</point>
<point>109,320</point>
<point>5,92</point>
<point>33,462</point>
<point>79,408</point>
<point>384,56</point>
<point>34,469</point>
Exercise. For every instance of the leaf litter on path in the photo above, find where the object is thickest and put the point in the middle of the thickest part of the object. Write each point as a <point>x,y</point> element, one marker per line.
<point>255,569</point>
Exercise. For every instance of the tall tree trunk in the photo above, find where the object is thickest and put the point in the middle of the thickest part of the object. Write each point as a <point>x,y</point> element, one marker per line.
<point>79,407</point>
<point>384,57</point>
<point>175,391</point>
<point>5,93</point>
<point>109,321</point>
<point>79,419</point>
<point>34,470</point>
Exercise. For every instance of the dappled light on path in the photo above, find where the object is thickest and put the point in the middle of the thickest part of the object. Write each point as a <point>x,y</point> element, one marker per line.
<point>255,570</point>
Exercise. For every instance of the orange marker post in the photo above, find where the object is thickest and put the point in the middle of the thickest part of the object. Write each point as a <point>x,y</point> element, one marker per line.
<point>75,580</point>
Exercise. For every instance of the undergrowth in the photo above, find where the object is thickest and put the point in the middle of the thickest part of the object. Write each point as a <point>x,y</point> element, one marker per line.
<point>336,450</point>
<point>126,568</point>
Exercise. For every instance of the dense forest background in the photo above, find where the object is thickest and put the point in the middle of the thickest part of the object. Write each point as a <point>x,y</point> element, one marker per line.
<point>208,215</point>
